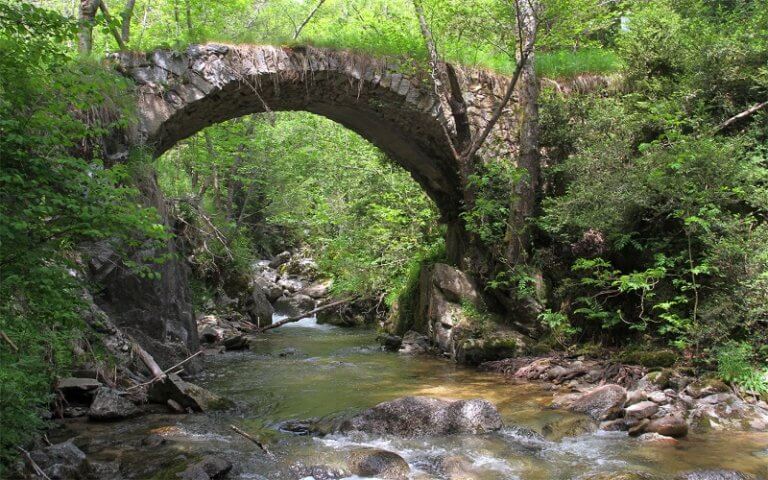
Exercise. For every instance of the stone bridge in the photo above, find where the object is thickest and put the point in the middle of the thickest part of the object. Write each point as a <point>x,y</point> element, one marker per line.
<point>390,103</point>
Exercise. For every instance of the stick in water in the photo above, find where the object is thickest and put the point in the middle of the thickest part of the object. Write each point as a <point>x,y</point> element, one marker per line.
<point>303,315</point>
<point>254,440</point>
<point>167,370</point>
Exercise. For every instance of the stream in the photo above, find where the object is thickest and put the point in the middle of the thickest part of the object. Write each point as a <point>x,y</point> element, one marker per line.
<point>305,370</point>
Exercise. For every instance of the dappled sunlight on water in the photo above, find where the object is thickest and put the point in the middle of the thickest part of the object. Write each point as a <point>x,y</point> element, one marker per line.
<point>312,371</point>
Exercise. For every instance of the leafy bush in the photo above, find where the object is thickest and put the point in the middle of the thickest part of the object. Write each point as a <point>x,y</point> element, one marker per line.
<point>735,365</point>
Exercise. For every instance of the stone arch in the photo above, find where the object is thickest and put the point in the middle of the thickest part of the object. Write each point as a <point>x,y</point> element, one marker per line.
<point>384,101</point>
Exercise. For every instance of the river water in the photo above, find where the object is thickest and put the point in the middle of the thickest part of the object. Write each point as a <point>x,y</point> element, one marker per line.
<point>304,370</point>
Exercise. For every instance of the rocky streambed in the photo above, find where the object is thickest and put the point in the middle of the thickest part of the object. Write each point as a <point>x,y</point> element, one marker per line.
<point>318,401</point>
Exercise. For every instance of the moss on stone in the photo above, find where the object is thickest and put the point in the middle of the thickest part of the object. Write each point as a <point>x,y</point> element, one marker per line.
<point>474,351</point>
<point>649,358</point>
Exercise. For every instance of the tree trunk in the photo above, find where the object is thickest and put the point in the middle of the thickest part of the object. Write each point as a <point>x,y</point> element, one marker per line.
<point>126,16</point>
<point>86,15</point>
<point>523,203</point>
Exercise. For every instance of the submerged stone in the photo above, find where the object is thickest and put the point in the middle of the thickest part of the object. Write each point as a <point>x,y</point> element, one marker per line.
<point>420,416</point>
<point>374,462</point>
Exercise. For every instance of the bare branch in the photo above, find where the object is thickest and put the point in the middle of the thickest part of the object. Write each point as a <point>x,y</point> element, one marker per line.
<point>736,118</point>
<point>298,30</point>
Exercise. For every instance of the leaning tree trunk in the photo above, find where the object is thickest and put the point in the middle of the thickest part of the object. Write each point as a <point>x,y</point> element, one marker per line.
<point>86,16</point>
<point>524,200</point>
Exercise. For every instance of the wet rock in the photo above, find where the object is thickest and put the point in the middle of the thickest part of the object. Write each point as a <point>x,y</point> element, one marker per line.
<point>392,343</point>
<point>185,394</point>
<point>639,428</point>
<point>715,475</point>
<point>288,352</point>
<point>474,351</point>
<point>455,467</point>
<point>617,476</point>
<point>601,402</point>
<point>726,412</point>
<point>63,461</point>
<point>235,342</point>
<point>571,426</point>
<point>271,289</point>
<point>618,425</point>
<point>109,405</point>
<point>294,305</point>
<point>75,412</point>
<point>210,334</point>
<point>414,343</point>
<point>641,410</point>
<point>658,397</point>
<point>318,290</point>
<point>705,387</point>
<point>153,440</point>
<point>291,285</point>
<point>635,396</point>
<point>657,439</point>
<point>374,462</point>
<point>418,416</point>
<point>209,468</point>
<point>258,307</point>
<point>670,426</point>
<point>279,259</point>
<point>319,472</point>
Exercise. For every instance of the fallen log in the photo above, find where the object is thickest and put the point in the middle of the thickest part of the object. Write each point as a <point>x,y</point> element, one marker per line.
<point>253,439</point>
<point>150,362</point>
<point>166,371</point>
<point>303,315</point>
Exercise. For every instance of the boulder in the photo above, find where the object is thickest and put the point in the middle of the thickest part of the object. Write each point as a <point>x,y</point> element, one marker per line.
<point>210,334</point>
<point>644,409</point>
<point>419,416</point>
<point>63,461</point>
<point>391,343</point>
<point>374,462</point>
<point>271,289</point>
<point>279,259</point>
<point>655,438</point>
<point>601,403</point>
<point>570,426</point>
<point>209,468</point>
<point>258,308</point>
<point>294,305</point>
<point>292,285</point>
<point>722,411</point>
<point>455,467</point>
<point>318,290</point>
<point>236,342</point>
<point>670,426</point>
<point>109,405</point>
<point>658,397</point>
<point>414,343</point>
<point>616,476</point>
<point>185,394</point>
<point>499,345</point>
<point>318,472</point>
<point>635,396</point>
<point>715,475</point>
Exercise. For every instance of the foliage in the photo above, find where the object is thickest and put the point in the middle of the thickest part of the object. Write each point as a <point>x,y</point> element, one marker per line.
<point>305,181</point>
<point>663,215</point>
<point>735,365</point>
<point>54,195</point>
<point>471,33</point>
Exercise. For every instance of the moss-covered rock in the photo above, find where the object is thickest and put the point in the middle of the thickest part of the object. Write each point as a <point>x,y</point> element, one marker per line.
<point>664,358</point>
<point>474,351</point>
<point>570,426</point>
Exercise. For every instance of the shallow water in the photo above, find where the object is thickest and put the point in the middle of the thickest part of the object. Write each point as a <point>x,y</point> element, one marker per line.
<point>304,370</point>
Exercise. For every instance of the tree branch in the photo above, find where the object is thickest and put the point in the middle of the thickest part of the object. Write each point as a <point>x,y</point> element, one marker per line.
<point>746,113</point>
<point>303,315</point>
<point>298,30</point>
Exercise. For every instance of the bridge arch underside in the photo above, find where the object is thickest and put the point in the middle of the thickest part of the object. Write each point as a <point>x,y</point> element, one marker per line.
<point>390,110</point>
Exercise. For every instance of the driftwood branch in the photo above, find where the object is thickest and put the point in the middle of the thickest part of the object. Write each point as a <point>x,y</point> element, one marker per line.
<point>9,341</point>
<point>304,315</point>
<point>150,362</point>
<point>298,30</point>
<point>166,371</point>
<point>35,467</point>
<point>261,445</point>
<point>738,117</point>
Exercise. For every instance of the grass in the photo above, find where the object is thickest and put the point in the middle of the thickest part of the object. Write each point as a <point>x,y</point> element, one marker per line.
<point>563,64</point>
